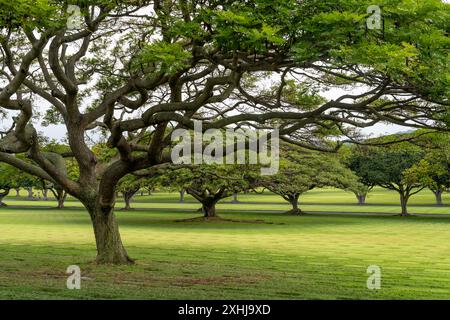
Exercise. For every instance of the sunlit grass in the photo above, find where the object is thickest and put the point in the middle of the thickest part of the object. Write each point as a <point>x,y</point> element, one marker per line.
<point>321,200</point>
<point>293,258</point>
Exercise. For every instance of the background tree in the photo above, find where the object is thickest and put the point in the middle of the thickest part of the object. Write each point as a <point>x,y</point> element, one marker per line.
<point>434,170</point>
<point>210,184</point>
<point>388,167</point>
<point>129,186</point>
<point>302,171</point>
<point>179,61</point>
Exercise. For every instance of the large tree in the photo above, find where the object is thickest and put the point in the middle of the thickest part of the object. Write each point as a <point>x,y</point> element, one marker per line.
<point>135,67</point>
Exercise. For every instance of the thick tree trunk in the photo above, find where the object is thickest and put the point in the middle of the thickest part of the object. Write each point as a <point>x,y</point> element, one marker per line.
<point>110,249</point>
<point>45,194</point>
<point>182,193</point>
<point>209,209</point>
<point>361,199</point>
<point>17,192</point>
<point>438,195</point>
<point>235,198</point>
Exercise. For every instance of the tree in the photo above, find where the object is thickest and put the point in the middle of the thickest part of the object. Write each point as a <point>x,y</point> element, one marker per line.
<point>388,168</point>
<point>434,170</point>
<point>357,165</point>
<point>210,184</point>
<point>174,62</point>
<point>303,171</point>
<point>129,186</point>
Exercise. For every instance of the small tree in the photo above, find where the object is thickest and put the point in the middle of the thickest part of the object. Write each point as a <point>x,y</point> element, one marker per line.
<point>129,186</point>
<point>304,171</point>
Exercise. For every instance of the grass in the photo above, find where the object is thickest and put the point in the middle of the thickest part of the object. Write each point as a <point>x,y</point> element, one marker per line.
<point>310,257</point>
<point>320,200</point>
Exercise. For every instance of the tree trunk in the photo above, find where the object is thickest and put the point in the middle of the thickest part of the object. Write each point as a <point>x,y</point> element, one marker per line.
<point>209,209</point>
<point>110,249</point>
<point>295,208</point>
<point>61,199</point>
<point>293,200</point>
<point>30,193</point>
<point>404,205</point>
<point>127,198</point>
<point>361,199</point>
<point>438,195</point>
<point>17,192</point>
<point>45,194</point>
<point>182,193</point>
<point>235,198</point>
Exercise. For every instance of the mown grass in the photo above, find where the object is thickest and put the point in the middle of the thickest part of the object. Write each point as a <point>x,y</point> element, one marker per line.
<point>310,257</point>
<point>321,200</point>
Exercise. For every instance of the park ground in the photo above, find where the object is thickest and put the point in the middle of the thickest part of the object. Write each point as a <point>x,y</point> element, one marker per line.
<point>323,255</point>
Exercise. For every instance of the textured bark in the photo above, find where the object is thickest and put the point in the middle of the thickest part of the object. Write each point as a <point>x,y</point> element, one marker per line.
<point>209,210</point>
<point>110,249</point>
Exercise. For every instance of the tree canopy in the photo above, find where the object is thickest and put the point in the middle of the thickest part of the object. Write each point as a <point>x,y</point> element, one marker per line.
<point>134,71</point>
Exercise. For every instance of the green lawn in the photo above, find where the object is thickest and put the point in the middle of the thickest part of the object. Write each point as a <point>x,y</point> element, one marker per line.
<point>321,200</point>
<point>311,257</point>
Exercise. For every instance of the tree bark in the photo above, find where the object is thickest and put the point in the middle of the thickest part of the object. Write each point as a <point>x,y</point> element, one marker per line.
<point>30,193</point>
<point>235,198</point>
<point>17,192</point>
<point>293,200</point>
<point>361,199</point>
<point>45,194</point>
<point>182,193</point>
<point>209,208</point>
<point>438,195</point>
<point>127,197</point>
<point>110,249</point>
<point>61,198</point>
<point>404,204</point>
